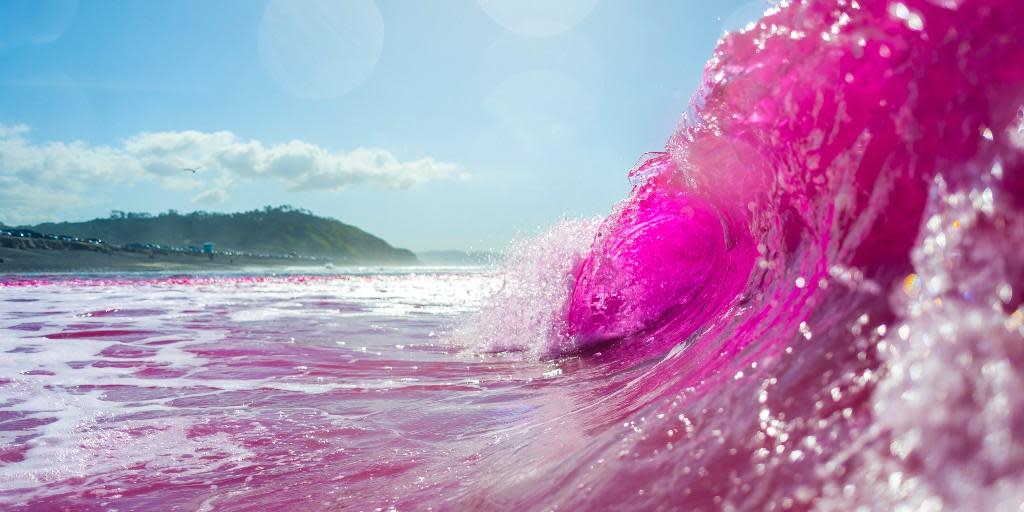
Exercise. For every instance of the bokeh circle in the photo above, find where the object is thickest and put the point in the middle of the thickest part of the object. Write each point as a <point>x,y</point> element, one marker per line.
<point>320,49</point>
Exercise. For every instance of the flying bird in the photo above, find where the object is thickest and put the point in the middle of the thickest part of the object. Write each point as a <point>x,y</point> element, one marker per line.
<point>192,169</point>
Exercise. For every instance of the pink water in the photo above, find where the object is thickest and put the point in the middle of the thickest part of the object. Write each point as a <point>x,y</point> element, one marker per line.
<point>811,300</point>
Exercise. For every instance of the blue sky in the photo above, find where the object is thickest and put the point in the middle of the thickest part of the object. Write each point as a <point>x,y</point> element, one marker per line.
<point>443,124</point>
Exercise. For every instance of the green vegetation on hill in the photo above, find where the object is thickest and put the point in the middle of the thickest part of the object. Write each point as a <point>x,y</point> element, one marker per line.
<point>280,230</point>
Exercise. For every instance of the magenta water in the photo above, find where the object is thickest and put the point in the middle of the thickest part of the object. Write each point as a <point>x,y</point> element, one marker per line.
<point>810,301</point>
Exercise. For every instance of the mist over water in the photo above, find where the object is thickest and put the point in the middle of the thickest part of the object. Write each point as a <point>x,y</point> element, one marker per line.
<point>811,300</point>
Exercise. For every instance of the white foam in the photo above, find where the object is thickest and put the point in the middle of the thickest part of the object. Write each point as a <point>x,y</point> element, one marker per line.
<point>87,433</point>
<point>524,314</point>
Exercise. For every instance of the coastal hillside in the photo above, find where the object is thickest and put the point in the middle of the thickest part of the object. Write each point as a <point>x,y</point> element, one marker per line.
<point>271,230</point>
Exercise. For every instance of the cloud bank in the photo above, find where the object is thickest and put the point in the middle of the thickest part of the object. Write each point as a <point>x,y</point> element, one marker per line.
<point>40,177</point>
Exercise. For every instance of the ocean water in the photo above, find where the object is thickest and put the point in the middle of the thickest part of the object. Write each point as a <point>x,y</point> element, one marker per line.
<point>159,392</point>
<point>811,300</point>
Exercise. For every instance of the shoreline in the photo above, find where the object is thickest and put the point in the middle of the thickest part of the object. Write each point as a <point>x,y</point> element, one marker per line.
<point>32,261</point>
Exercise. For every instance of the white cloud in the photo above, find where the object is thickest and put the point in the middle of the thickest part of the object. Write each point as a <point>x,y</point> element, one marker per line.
<point>33,172</point>
<point>12,130</point>
<point>300,165</point>
<point>24,203</point>
<point>212,196</point>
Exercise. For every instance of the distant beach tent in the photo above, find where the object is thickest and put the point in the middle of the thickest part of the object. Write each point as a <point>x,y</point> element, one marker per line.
<point>208,248</point>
